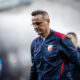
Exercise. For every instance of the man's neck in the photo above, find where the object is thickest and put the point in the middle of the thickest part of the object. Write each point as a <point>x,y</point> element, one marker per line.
<point>46,34</point>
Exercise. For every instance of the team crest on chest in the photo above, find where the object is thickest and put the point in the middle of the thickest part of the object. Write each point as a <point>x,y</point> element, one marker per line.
<point>50,47</point>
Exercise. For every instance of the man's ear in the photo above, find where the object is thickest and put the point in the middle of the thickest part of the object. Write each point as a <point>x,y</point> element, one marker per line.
<point>48,20</point>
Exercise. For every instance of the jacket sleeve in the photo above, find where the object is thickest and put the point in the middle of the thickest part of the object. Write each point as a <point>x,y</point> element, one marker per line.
<point>33,73</point>
<point>71,52</point>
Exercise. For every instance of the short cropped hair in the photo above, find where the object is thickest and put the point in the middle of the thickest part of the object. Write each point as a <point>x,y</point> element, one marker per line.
<point>41,12</point>
<point>73,34</point>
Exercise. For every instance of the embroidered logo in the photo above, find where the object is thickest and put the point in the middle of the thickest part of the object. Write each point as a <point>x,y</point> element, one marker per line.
<point>49,47</point>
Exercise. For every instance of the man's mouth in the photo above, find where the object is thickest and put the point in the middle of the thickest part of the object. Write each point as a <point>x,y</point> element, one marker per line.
<point>38,31</point>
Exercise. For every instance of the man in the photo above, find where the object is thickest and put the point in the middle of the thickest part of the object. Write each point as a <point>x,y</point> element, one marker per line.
<point>50,51</point>
<point>73,68</point>
<point>73,37</point>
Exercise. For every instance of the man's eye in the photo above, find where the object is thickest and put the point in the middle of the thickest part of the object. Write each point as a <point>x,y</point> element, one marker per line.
<point>33,23</point>
<point>38,23</point>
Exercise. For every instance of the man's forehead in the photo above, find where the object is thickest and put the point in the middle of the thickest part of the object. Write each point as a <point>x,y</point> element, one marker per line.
<point>71,36</point>
<point>37,17</point>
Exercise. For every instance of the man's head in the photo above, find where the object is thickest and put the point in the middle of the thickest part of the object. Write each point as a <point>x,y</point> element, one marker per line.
<point>73,37</point>
<point>40,22</point>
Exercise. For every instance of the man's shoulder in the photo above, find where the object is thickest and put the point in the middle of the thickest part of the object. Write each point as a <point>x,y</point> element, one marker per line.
<point>35,39</point>
<point>61,35</point>
<point>34,42</point>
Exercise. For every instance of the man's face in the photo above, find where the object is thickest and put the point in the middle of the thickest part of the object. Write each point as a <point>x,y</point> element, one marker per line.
<point>40,25</point>
<point>74,40</point>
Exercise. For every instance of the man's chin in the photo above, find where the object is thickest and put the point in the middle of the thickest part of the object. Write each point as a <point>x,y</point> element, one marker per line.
<point>39,33</point>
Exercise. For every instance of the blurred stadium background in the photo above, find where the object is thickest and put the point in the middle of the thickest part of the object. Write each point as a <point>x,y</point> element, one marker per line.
<point>16,32</point>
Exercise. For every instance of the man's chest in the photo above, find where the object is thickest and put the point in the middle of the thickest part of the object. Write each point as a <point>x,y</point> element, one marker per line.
<point>46,49</point>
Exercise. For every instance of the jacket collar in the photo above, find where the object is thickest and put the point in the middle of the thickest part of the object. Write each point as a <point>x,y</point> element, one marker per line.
<point>50,36</point>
